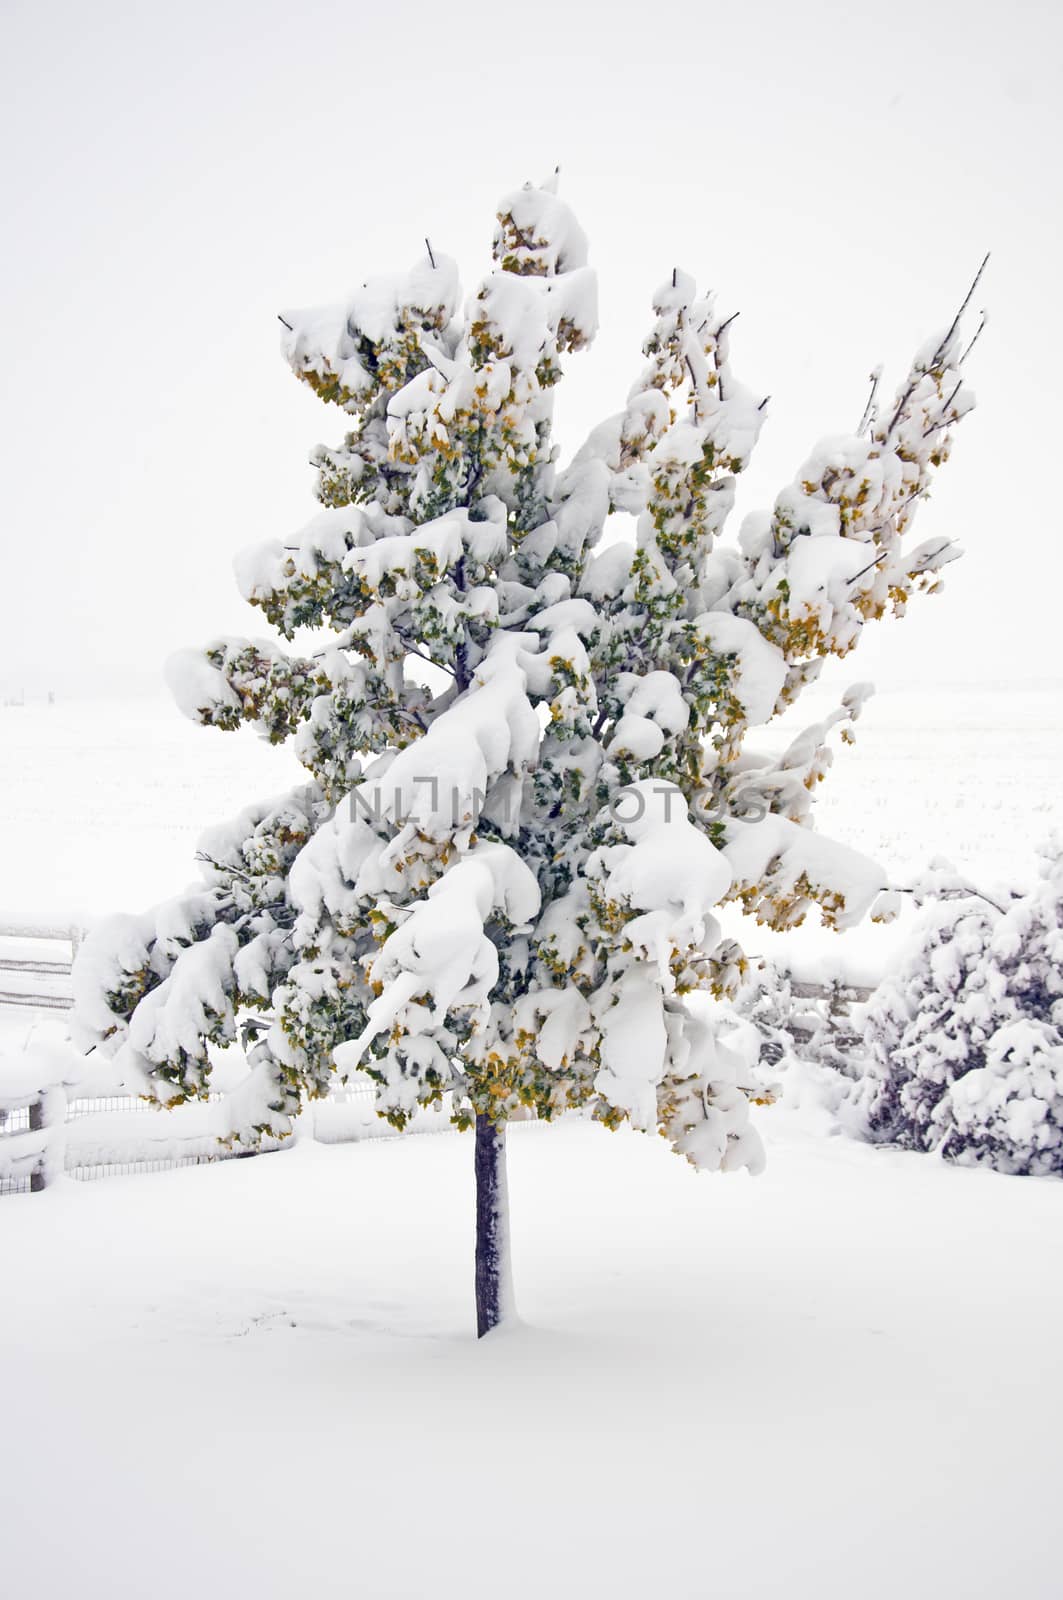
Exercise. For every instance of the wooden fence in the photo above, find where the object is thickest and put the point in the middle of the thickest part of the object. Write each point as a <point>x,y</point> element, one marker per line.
<point>829,1019</point>
<point>35,964</point>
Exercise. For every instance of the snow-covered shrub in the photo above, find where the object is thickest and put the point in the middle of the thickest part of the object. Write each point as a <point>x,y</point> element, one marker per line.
<point>966,1039</point>
<point>525,734</point>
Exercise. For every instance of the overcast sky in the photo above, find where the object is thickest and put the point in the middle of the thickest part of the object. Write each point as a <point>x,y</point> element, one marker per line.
<point>173,175</point>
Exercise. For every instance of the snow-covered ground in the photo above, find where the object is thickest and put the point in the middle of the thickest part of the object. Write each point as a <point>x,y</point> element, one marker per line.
<point>103,801</point>
<point>975,774</point>
<point>837,1379</point>
<point>259,1379</point>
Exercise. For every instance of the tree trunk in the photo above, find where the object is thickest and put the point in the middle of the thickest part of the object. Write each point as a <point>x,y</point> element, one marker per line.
<point>494,1282</point>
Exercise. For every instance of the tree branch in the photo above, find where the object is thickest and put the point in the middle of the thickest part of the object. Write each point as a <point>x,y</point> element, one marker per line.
<point>974,341</point>
<point>220,866</point>
<point>413,651</point>
<point>869,410</point>
<point>938,353</point>
<point>966,892</point>
<point>966,302</point>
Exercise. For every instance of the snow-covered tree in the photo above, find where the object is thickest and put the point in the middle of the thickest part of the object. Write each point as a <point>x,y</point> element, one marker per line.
<point>529,781</point>
<point>966,1039</point>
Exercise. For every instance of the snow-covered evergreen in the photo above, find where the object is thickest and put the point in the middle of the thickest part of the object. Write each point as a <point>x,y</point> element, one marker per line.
<point>966,1039</point>
<point>529,777</point>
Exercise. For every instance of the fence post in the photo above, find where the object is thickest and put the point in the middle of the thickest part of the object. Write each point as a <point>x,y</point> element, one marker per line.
<point>38,1177</point>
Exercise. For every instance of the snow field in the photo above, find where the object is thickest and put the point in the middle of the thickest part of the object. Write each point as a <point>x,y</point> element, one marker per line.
<point>837,1379</point>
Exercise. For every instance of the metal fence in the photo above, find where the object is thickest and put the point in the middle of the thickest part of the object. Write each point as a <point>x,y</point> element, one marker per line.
<point>118,1135</point>
<point>87,1127</point>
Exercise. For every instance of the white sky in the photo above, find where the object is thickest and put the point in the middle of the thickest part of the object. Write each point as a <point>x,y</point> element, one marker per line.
<point>173,175</point>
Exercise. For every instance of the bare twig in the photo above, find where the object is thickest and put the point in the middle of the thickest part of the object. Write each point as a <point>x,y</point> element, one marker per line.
<point>974,341</point>
<point>933,554</point>
<point>880,557</point>
<point>720,331</point>
<point>966,892</point>
<point>923,564</point>
<point>408,716</point>
<point>869,410</point>
<point>944,421</point>
<point>441,665</point>
<point>221,866</point>
<point>966,302</point>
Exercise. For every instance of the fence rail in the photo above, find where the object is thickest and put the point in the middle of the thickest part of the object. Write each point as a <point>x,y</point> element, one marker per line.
<point>34,973</point>
<point>34,1002</point>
